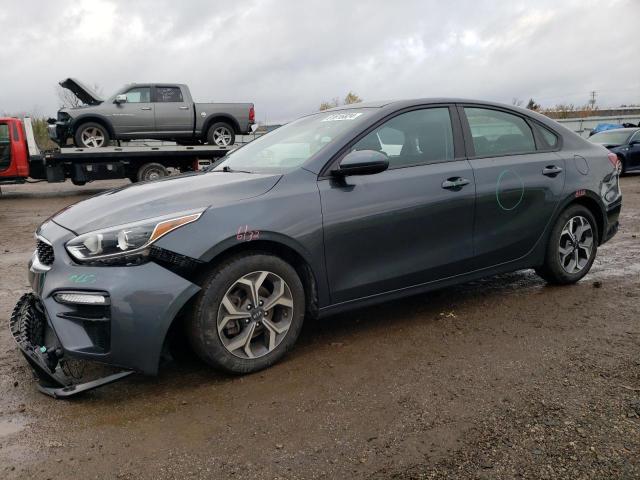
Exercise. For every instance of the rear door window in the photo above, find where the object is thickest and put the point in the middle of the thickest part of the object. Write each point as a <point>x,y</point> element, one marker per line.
<point>168,94</point>
<point>498,133</point>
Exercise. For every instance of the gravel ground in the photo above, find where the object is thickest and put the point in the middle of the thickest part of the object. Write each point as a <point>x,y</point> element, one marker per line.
<point>502,378</point>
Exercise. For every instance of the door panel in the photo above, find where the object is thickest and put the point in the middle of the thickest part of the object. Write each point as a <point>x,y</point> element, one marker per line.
<point>396,229</point>
<point>172,113</point>
<point>515,202</point>
<point>135,116</point>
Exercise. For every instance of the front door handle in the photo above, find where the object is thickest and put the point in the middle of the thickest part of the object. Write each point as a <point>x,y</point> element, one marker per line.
<point>455,183</point>
<point>145,108</point>
<point>183,108</point>
<point>551,170</point>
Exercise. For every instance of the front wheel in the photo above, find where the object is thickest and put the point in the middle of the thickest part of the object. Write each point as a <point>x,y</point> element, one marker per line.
<point>91,135</point>
<point>221,134</point>
<point>572,247</point>
<point>248,314</point>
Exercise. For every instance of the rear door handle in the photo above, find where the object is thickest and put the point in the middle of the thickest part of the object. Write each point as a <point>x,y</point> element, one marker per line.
<point>551,170</point>
<point>455,183</point>
<point>145,108</point>
<point>183,108</point>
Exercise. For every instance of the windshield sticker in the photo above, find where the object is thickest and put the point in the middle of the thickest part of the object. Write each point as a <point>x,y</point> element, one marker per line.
<point>338,117</point>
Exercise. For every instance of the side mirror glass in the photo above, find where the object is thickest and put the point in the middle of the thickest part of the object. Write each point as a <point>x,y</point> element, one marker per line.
<point>122,98</point>
<point>362,162</point>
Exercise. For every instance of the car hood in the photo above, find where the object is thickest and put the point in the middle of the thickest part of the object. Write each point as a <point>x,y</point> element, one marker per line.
<point>80,90</point>
<point>178,194</point>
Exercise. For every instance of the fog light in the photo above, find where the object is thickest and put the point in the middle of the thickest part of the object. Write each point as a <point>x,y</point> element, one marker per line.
<point>82,298</point>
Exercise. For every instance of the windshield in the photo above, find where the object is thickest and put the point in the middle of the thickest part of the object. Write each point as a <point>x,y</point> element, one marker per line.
<point>611,137</point>
<point>291,145</point>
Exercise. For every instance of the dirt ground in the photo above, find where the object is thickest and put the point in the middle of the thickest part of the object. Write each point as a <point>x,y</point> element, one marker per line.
<point>503,378</point>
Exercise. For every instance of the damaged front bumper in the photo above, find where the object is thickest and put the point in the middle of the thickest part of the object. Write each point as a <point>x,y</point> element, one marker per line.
<point>58,377</point>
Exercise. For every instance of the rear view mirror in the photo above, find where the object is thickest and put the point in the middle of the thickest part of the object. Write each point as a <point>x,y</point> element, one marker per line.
<point>362,162</point>
<point>120,99</point>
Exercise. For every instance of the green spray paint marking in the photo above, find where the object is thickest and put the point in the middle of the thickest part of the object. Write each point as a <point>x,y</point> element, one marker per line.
<point>84,278</point>
<point>500,177</point>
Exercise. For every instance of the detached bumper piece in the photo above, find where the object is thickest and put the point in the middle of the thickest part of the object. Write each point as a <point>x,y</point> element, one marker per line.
<point>58,377</point>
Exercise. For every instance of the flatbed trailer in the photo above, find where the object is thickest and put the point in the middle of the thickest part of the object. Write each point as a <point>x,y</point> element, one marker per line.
<point>22,161</point>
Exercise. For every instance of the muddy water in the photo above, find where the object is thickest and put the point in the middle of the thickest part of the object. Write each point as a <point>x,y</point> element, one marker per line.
<point>499,378</point>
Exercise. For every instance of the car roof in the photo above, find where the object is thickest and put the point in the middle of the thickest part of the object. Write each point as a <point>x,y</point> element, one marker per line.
<point>420,101</point>
<point>624,129</point>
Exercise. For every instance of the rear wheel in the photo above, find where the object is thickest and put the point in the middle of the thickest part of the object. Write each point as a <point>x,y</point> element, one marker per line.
<point>248,314</point>
<point>91,135</point>
<point>152,171</point>
<point>572,247</point>
<point>221,134</point>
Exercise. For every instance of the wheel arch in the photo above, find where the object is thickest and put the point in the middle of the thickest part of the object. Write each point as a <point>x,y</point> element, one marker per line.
<point>590,201</point>
<point>79,121</point>
<point>283,248</point>
<point>219,118</point>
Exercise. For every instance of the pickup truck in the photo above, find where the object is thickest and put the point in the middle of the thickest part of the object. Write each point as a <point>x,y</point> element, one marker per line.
<point>160,111</point>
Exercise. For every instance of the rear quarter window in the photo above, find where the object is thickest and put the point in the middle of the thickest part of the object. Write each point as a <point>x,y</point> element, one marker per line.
<point>550,138</point>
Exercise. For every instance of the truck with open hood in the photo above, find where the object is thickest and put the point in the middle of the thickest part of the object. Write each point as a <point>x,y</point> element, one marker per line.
<point>160,111</point>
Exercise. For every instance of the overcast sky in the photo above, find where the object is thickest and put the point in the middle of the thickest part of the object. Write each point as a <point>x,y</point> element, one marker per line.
<point>289,55</point>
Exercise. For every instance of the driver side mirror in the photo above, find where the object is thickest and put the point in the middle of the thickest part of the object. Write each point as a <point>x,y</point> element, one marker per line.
<point>122,98</point>
<point>362,162</point>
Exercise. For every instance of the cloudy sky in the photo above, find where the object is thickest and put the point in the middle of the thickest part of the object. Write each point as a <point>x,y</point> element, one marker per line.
<point>289,55</point>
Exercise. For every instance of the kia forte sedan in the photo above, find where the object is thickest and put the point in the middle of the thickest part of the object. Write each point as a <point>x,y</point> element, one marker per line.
<point>336,210</point>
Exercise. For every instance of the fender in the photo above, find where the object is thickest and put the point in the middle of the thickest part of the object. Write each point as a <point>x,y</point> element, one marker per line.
<point>75,121</point>
<point>215,118</point>
<point>591,197</point>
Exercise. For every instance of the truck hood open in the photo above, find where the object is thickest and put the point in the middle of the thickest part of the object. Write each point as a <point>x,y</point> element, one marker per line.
<point>80,90</point>
<point>162,197</point>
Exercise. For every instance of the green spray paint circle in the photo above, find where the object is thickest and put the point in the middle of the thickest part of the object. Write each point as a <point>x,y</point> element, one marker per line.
<point>503,174</point>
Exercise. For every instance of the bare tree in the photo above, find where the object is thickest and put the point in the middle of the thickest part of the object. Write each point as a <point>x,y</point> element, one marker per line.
<point>516,102</point>
<point>351,98</point>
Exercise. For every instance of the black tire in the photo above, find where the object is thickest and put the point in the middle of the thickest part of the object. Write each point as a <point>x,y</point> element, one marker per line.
<point>220,127</point>
<point>78,183</point>
<point>152,171</point>
<point>553,270</point>
<point>81,141</point>
<point>202,322</point>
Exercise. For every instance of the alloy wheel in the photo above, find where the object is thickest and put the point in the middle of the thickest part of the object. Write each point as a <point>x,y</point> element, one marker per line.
<point>576,245</point>
<point>222,136</point>
<point>92,137</point>
<point>255,314</point>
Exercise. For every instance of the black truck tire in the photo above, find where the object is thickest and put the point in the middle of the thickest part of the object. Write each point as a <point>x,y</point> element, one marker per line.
<point>91,135</point>
<point>221,134</point>
<point>152,171</point>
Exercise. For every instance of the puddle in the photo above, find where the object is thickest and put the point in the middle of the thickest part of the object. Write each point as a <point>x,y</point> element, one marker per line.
<point>11,426</point>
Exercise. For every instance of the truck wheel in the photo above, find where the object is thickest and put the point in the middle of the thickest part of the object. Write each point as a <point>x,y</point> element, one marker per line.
<point>221,134</point>
<point>91,135</point>
<point>248,314</point>
<point>152,171</point>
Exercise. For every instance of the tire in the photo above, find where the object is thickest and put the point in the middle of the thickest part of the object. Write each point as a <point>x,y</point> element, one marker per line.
<point>560,265</point>
<point>152,171</point>
<point>221,134</point>
<point>227,350</point>
<point>78,183</point>
<point>91,135</point>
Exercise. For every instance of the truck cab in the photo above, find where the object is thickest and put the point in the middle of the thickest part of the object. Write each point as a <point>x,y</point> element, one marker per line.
<point>14,164</point>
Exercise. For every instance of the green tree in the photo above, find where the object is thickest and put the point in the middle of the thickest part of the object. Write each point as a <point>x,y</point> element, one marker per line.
<point>532,105</point>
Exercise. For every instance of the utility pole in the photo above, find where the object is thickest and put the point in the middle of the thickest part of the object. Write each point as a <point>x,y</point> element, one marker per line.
<point>592,100</point>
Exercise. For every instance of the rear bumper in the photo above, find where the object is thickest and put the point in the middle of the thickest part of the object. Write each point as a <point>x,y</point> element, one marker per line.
<point>612,225</point>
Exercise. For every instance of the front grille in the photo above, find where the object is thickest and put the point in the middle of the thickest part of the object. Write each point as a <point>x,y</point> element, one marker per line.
<point>45,253</point>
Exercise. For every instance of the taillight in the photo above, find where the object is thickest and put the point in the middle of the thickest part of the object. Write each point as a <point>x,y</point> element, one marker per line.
<point>252,114</point>
<point>615,161</point>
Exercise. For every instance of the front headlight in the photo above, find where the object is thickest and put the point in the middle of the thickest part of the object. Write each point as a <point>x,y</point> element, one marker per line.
<point>125,243</point>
